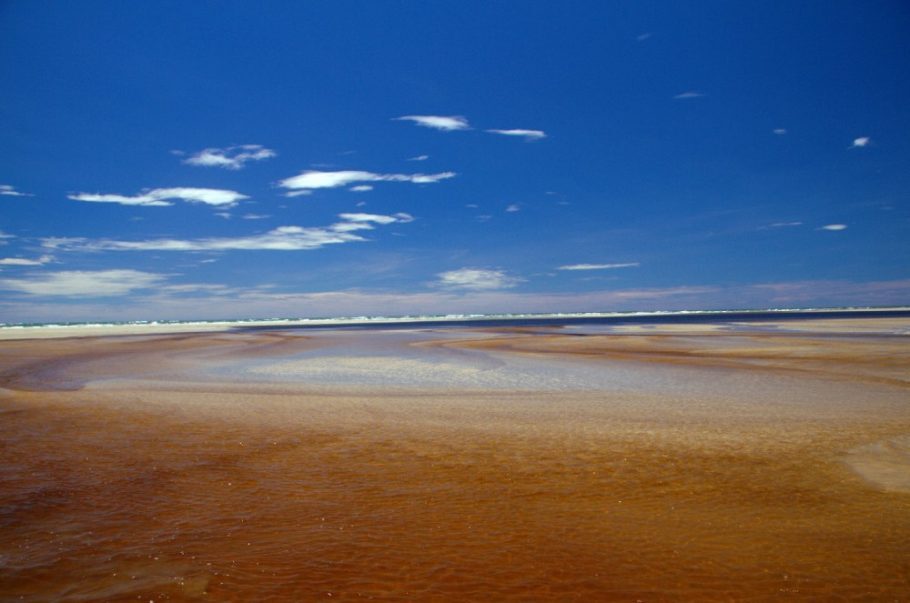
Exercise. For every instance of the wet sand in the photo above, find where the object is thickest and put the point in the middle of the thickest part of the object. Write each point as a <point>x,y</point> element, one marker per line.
<point>456,465</point>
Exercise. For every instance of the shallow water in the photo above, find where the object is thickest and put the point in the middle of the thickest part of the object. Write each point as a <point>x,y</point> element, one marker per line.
<point>112,493</point>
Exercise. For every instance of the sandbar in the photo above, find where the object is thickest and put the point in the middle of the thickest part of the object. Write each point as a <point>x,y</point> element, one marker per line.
<point>457,464</point>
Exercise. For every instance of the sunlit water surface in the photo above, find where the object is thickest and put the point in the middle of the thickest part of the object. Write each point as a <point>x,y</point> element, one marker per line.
<point>521,488</point>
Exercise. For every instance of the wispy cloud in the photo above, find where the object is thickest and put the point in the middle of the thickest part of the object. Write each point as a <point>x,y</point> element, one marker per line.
<point>283,238</point>
<point>862,141</point>
<point>163,197</point>
<point>195,288</point>
<point>446,123</point>
<point>688,95</point>
<point>514,207</point>
<point>599,266</point>
<point>834,227</point>
<point>181,302</point>
<point>7,190</point>
<point>100,283</point>
<point>315,179</point>
<point>644,36</point>
<point>377,218</point>
<point>526,134</point>
<point>419,158</point>
<point>230,158</point>
<point>361,188</point>
<point>833,293</point>
<point>476,279</point>
<point>255,216</point>
<point>780,131</point>
<point>784,224</point>
<point>44,259</point>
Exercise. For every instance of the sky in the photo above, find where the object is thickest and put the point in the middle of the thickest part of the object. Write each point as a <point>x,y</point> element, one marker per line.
<point>218,160</point>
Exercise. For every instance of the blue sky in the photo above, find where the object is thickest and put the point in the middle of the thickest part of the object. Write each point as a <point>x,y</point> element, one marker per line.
<point>237,159</point>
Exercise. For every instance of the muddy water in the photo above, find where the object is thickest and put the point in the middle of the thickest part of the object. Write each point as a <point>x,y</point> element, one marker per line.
<point>178,492</point>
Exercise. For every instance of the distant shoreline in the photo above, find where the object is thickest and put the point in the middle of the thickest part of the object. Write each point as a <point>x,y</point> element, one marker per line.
<point>95,329</point>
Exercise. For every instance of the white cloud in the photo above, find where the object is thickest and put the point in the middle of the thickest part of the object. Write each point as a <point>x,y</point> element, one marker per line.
<point>231,158</point>
<point>784,224</point>
<point>446,123</point>
<point>420,178</point>
<point>780,131</point>
<point>262,301</point>
<point>361,188</point>
<point>316,179</point>
<point>476,279</point>
<point>196,288</point>
<point>688,95</point>
<point>100,283</point>
<point>526,134</point>
<point>255,216</point>
<point>419,158</point>
<point>63,242</point>
<point>599,266</point>
<point>283,238</point>
<point>162,197</point>
<point>44,259</point>
<point>377,218</point>
<point>10,191</point>
<point>513,208</point>
<point>643,37</point>
<point>862,141</point>
<point>834,227</point>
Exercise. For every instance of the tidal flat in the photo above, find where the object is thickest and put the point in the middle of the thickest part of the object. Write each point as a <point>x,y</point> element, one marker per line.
<point>678,462</point>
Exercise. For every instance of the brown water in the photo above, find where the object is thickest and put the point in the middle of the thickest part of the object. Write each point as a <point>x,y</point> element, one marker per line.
<point>178,493</point>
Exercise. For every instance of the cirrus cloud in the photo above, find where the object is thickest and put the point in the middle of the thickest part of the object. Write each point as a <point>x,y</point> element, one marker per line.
<point>526,134</point>
<point>44,259</point>
<point>309,180</point>
<point>230,158</point>
<point>163,197</point>
<point>446,123</point>
<point>688,95</point>
<point>599,266</point>
<point>476,279</point>
<point>7,190</point>
<point>78,283</point>
<point>283,238</point>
